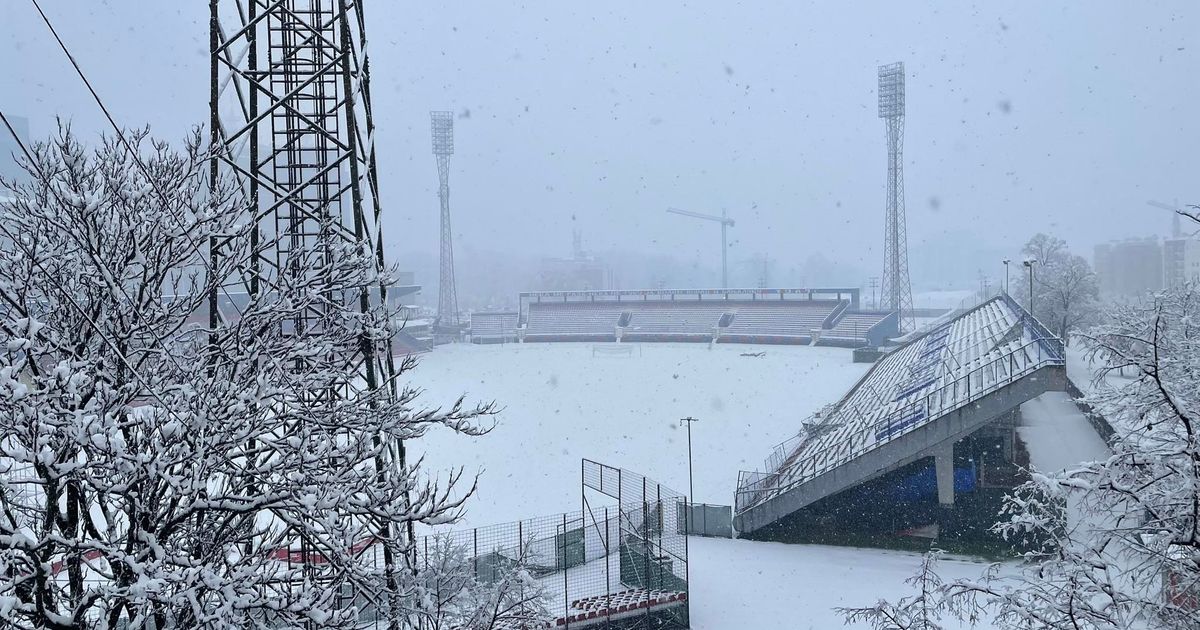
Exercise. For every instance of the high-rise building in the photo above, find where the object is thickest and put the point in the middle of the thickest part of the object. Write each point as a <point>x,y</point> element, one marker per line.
<point>1181,261</point>
<point>1129,267</point>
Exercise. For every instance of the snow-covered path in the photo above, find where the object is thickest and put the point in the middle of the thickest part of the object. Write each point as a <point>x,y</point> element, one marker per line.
<point>773,586</point>
<point>1059,437</point>
<point>1057,434</point>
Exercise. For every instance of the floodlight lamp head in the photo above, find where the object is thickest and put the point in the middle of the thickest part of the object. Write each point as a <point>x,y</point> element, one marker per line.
<point>891,90</point>
<point>442,125</point>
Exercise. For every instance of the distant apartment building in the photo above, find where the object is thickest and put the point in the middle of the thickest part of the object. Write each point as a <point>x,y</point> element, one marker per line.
<point>1181,261</point>
<point>1129,267</point>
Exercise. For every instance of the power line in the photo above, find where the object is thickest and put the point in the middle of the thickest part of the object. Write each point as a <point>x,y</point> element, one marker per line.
<point>87,83</point>
<point>108,115</point>
<point>120,135</point>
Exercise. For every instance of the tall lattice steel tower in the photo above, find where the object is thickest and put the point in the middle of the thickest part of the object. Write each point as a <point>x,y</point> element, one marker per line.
<point>291,119</point>
<point>442,126</point>
<point>896,292</point>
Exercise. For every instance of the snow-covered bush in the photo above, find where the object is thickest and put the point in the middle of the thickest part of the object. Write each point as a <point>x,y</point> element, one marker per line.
<point>158,471</point>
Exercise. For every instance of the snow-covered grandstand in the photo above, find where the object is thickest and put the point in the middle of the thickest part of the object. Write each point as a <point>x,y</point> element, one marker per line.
<point>778,316</point>
<point>916,402</point>
<point>572,321</point>
<point>493,327</point>
<point>854,327</point>
<point>654,321</point>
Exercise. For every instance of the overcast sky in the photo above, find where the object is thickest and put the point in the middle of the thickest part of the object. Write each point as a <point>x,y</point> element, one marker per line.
<point>1022,117</point>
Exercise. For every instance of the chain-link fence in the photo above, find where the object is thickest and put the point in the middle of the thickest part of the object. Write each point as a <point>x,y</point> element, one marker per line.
<point>620,563</point>
<point>703,519</point>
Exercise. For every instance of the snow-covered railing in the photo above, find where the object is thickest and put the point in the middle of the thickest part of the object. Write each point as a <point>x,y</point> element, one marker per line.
<point>1041,333</point>
<point>754,487</point>
<point>815,424</point>
<point>833,315</point>
<point>965,305</point>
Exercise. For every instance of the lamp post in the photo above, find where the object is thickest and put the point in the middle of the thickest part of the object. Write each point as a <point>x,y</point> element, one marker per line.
<point>1029,263</point>
<point>1006,261</point>
<point>691,489</point>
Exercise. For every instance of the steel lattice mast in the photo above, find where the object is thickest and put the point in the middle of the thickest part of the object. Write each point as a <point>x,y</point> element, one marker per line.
<point>296,130</point>
<point>442,128</point>
<point>896,292</point>
<point>291,120</point>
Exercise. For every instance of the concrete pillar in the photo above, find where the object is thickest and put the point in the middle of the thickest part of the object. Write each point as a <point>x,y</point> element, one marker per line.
<point>943,463</point>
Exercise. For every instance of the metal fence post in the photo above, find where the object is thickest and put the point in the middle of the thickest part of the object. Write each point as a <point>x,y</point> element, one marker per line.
<point>687,571</point>
<point>646,546</point>
<point>661,526</point>
<point>566,586</point>
<point>608,568</point>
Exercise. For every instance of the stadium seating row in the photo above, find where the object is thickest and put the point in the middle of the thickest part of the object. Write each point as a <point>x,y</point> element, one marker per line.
<point>853,326</point>
<point>493,326</point>
<point>783,321</point>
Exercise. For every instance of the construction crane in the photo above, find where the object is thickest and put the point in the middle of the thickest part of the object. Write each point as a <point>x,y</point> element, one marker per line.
<point>1176,231</point>
<point>726,223</point>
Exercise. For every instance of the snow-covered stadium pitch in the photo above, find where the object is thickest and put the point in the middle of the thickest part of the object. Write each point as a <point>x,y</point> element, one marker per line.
<point>566,401</point>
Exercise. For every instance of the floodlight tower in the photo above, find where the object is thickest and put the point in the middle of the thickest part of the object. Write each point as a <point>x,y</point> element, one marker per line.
<point>442,125</point>
<point>290,120</point>
<point>896,292</point>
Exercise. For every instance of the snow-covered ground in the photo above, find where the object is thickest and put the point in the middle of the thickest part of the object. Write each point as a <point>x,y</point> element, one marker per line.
<point>773,586</point>
<point>1057,434</point>
<point>562,403</point>
<point>1082,370</point>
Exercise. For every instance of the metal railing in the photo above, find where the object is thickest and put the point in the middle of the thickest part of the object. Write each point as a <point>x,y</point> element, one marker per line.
<point>755,487</point>
<point>966,304</point>
<point>1039,329</point>
<point>833,315</point>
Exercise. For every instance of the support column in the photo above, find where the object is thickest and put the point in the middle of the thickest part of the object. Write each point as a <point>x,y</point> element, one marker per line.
<point>943,462</point>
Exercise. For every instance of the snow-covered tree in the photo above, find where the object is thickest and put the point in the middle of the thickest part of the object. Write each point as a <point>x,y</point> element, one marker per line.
<point>158,472</point>
<point>458,594</point>
<point>1065,291</point>
<point>1122,535</point>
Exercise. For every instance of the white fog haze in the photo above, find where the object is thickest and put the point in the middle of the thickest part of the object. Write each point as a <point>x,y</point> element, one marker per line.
<point>1021,118</point>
